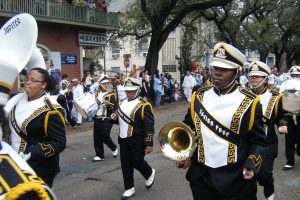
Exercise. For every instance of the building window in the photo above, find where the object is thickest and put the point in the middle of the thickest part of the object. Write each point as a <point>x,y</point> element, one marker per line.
<point>169,68</point>
<point>115,53</point>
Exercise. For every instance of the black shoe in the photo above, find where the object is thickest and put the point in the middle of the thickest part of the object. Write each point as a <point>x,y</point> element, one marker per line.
<point>287,167</point>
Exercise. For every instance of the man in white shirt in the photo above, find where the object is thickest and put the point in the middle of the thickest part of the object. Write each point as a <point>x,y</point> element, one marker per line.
<point>188,83</point>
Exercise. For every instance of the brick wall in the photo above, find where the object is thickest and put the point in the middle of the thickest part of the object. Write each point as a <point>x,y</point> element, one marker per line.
<point>63,39</point>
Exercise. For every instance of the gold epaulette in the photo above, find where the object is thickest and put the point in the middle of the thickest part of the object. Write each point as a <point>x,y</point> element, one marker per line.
<point>248,92</point>
<point>203,89</point>
<point>144,104</point>
<point>53,111</point>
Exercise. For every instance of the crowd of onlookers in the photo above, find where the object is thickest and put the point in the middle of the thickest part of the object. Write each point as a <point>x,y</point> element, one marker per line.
<point>158,89</point>
<point>97,4</point>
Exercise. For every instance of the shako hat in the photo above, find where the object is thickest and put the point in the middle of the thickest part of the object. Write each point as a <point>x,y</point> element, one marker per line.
<point>295,70</point>
<point>132,84</point>
<point>258,68</point>
<point>227,56</point>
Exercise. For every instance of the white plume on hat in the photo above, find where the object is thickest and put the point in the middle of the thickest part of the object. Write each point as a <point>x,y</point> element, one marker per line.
<point>227,56</point>
<point>132,84</point>
<point>18,37</point>
<point>258,68</point>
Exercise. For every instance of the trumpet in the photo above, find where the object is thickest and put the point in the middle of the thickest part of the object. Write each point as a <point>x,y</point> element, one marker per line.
<point>177,141</point>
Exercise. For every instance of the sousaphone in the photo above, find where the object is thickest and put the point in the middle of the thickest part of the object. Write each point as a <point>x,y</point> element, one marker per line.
<point>18,37</point>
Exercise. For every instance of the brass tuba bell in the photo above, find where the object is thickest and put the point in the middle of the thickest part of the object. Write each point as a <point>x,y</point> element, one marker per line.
<point>177,141</point>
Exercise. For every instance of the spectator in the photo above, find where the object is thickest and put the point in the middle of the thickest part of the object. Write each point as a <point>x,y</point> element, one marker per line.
<point>157,87</point>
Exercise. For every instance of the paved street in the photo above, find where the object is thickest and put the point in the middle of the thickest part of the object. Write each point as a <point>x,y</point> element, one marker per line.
<point>82,179</point>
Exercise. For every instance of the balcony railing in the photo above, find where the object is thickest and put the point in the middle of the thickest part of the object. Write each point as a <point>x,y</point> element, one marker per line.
<point>56,12</point>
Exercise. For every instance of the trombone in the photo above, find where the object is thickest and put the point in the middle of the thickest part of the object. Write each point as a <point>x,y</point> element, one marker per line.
<point>177,141</point>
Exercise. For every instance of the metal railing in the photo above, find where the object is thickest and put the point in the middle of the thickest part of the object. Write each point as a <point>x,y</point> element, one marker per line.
<point>53,11</point>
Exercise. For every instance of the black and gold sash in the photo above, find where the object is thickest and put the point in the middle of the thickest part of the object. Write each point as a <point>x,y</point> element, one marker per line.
<point>214,125</point>
<point>124,117</point>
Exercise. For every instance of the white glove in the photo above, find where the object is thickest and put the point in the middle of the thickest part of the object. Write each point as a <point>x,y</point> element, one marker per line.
<point>25,156</point>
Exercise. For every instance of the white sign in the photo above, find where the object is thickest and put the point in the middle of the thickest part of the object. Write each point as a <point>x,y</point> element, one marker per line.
<point>56,59</point>
<point>92,39</point>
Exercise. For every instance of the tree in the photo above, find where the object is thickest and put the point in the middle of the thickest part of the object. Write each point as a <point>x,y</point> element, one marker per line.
<point>185,59</point>
<point>260,25</point>
<point>156,19</point>
<point>229,20</point>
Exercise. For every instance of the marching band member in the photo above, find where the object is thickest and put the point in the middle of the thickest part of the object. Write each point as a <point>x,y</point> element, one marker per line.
<point>18,180</point>
<point>228,122</point>
<point>102,122</point>
<point>271,102</point>
<point>136,126</point>
<point>78,92</point>
<point>63,101</point>
<point>291,123</point>
<point>38,127</point>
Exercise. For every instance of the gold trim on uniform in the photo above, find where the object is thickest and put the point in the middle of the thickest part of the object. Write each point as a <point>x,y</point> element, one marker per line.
<point>193,105</point>
<point>257,161</point>
<point>268,111</point>
<point>143,109</point>
<point>238,114</point>
<point>201,157</point>
<point>197,123</point>
<point>53,112</point>
<point>22,145</point>
<point>252,113</point>
<point>132,114</point>
<point>280,96</point>
<point>47,149</point>
<point>149,138</point>
<point>35,114</point>
<point>231,153</point>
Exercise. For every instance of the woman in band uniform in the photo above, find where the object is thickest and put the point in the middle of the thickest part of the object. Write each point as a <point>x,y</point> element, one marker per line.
<point>102,122</point>
<point>38,126</point>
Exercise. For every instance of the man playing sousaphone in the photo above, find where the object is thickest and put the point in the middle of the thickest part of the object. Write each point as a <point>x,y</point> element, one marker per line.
<point>102,122</point>
<point>228,122</point>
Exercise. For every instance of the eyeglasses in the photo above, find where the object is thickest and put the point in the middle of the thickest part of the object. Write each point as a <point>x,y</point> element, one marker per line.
<point>33,80</point>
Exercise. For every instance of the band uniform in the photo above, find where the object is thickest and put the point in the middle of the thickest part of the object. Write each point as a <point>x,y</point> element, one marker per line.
<point>229,138</point>
<point>103,123</point>
<point>136,124</point>
<point>38,127</point>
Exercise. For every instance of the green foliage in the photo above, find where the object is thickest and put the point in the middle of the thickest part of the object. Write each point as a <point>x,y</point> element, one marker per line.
<point>189,36</point>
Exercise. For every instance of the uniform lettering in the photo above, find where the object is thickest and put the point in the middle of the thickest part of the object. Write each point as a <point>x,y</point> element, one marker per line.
<point>12,26</point>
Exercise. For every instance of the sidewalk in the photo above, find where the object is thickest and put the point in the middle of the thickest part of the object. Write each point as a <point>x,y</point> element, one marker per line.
<point>85,126</point>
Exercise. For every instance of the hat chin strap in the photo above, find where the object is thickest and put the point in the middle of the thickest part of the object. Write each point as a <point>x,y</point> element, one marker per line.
<point>255,87</point>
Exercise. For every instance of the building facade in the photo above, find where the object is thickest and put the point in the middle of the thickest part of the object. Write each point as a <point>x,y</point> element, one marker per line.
<point>65,31</point>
